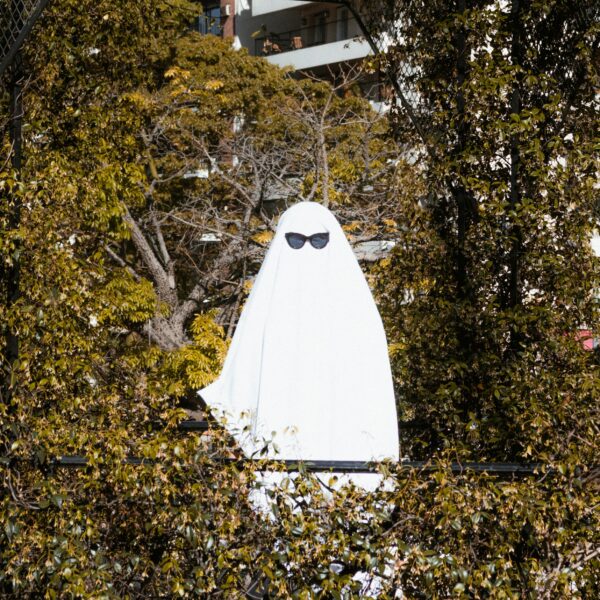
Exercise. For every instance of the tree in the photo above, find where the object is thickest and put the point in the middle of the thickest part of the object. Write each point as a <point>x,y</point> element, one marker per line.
<point>124,106</point>
<point>216,185</point>
<point>505,221</point>
<point>110,331</point>
<point>494,276</point>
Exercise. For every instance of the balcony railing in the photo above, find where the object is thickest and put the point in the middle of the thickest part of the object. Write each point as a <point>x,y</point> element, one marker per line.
<point>304,37</point>
<point>208,24</point>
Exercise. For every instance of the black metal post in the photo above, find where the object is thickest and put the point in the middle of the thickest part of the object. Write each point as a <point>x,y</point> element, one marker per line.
<point>16,138</point>
<point>13,271</point>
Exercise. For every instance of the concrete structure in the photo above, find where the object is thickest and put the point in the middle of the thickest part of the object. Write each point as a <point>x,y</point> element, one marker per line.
<point>300,35</point>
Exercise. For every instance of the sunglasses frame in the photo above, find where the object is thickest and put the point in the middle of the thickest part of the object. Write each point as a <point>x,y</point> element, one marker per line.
<point>307,238</point>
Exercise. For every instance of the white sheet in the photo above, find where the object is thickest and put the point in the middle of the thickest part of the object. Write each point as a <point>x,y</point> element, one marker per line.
<point>308,367</point>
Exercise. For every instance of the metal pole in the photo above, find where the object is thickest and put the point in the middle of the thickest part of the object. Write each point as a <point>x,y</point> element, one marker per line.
<point>19,21</point>
<point>320,466</point>
<point>13,272</point>
<point>16,138</point>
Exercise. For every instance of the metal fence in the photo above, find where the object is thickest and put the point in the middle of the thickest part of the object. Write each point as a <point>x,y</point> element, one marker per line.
<point>501,470</point>
<point>208,24</point>
<point>304,37</point>
<point>17,18</point>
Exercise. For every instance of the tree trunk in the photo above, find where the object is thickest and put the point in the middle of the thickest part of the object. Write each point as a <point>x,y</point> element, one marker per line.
<point>515,160</point>
<point>167,333</point>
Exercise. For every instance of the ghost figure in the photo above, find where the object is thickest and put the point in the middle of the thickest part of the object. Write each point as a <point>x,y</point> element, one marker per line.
<point>308,367</point>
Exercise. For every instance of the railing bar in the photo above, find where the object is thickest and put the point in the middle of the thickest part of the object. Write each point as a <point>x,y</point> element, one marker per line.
<point>286,36</point>
<point>193,425</point>
<point>334,466</point>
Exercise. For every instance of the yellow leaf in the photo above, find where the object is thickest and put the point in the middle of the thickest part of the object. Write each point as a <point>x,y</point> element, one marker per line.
<point>354,226</point>
<point>213,84</point>
<point>177,74</point>
<point>263,237</point>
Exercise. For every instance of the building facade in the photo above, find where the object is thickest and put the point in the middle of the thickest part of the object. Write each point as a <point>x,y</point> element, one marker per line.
<point>288,33</point>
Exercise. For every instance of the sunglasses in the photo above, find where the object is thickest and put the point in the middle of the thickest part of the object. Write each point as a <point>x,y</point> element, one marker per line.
<point>317,240</point>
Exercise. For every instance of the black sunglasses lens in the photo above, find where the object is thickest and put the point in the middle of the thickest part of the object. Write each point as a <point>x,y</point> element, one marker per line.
<point>295,240</point>
<point>319,240</point>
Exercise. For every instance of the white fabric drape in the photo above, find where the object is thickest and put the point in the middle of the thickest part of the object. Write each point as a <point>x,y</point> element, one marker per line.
<point>308,367</point>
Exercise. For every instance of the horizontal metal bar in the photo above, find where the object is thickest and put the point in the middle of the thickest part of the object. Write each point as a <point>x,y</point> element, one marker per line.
<point>334,466</point>
<point>315,466</point>
<point>193,426</point>
<point>369,467</point>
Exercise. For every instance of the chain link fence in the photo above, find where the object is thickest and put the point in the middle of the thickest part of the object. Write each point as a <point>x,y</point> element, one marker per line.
<point>17,18</point>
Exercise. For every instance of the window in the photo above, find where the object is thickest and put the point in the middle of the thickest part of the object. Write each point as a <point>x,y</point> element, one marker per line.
<point>321,28</point>
<point>210,20</point>
<point>342,24</point>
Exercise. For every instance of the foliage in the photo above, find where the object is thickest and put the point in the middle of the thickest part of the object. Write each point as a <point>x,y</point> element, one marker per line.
<point>493,275</point>
<point>229,142</point>
<point>116,329</point>
<point>496,249</point>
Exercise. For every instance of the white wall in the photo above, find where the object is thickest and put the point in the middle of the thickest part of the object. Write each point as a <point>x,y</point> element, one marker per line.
<point>263,7</point>
<point>247,23</point>
<point>325,54</point>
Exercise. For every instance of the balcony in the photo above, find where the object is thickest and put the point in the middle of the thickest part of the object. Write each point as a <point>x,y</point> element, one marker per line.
<point>264,7</point>
<point>322,43</point>
<point>209,22</point>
